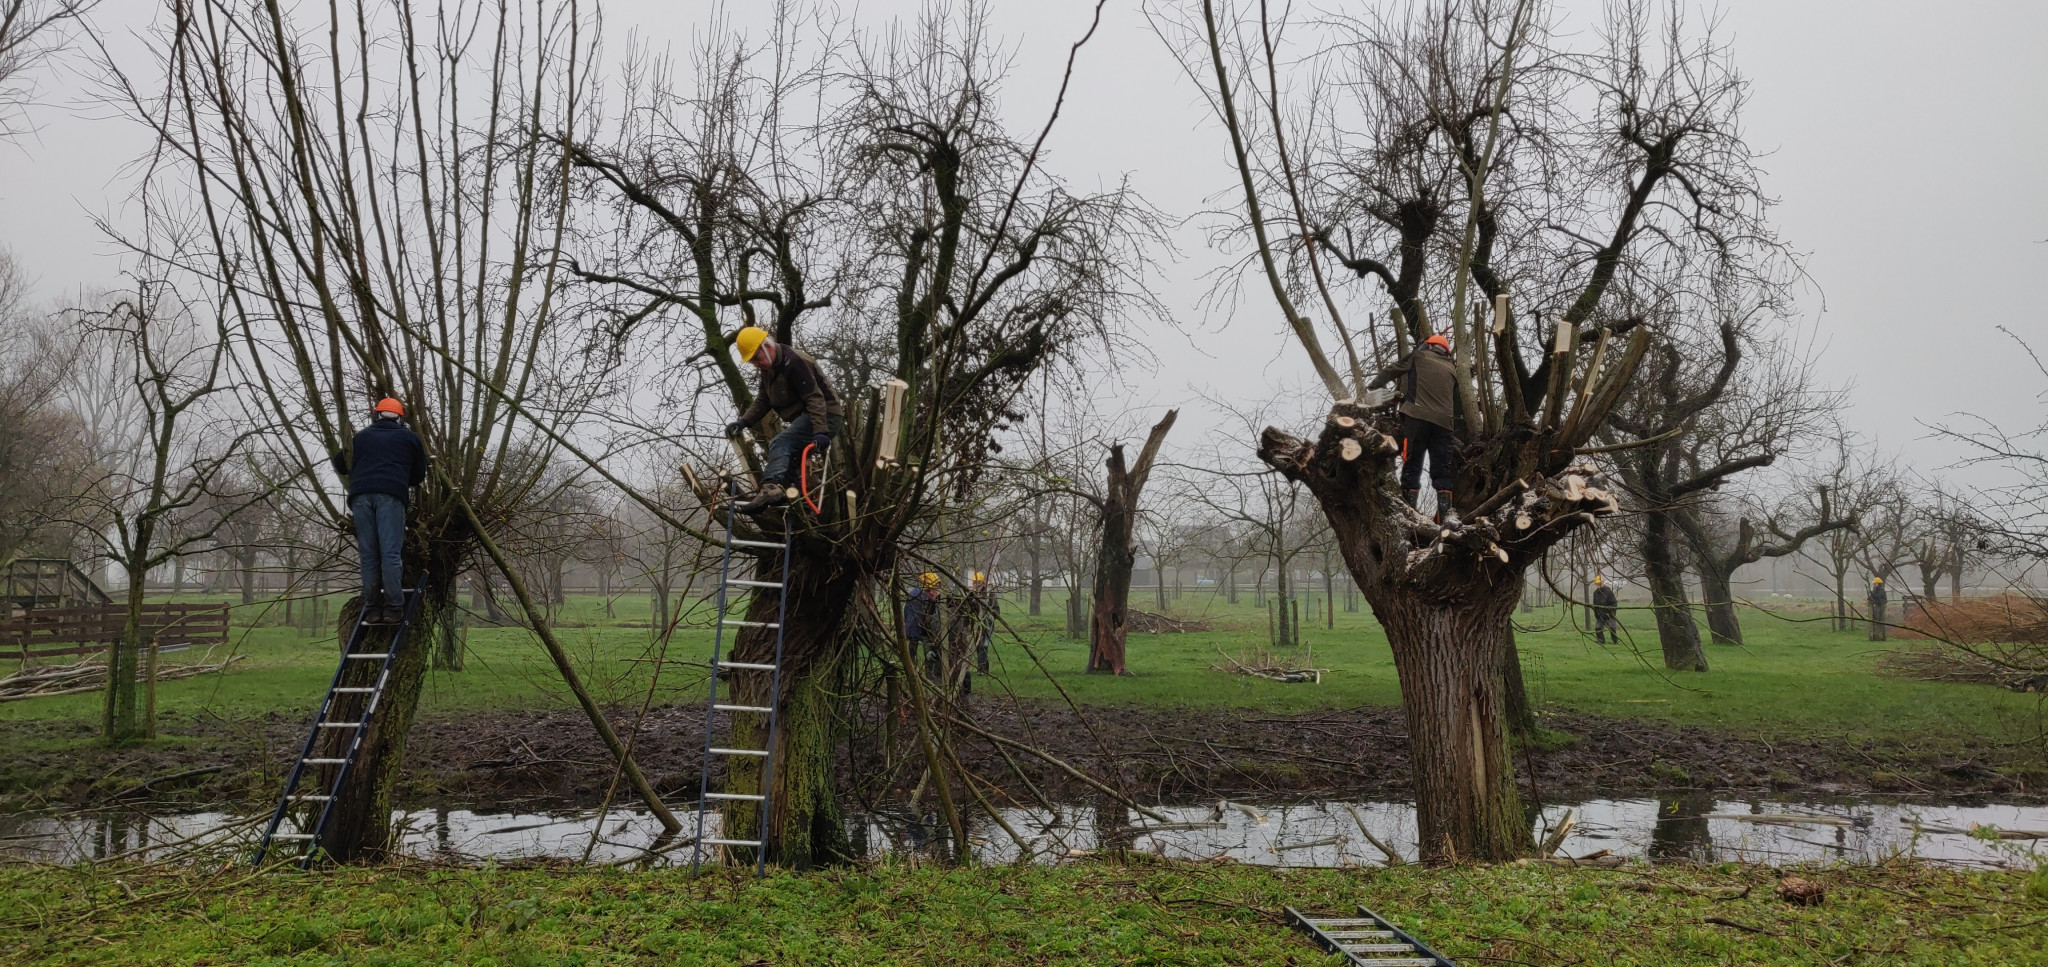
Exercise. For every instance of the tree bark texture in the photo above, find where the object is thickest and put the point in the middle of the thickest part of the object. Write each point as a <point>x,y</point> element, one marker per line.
<point>1676,631</point>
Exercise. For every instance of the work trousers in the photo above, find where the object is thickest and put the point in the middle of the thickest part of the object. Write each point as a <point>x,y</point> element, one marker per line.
<point>1878,630</point>
<point>1420,438</point>
<point>380,540</point>
<point>1604,624</point>
<point>788,447</point>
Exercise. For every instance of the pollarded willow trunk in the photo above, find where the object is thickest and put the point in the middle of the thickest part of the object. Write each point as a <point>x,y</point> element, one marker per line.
<point>1444,594</point>
<point>1450,655</point>
<point>1676,630</point>
<point>806,828</point>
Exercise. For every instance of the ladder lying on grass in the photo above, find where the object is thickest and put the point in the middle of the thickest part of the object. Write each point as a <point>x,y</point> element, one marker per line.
<point>727,587</point>
<point>320,806</point>
<point>1368,940</point>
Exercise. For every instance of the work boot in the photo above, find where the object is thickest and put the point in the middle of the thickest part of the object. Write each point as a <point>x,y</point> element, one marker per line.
<point>770,494</point>
<point>1446,512</point>
<point>393,614</point>
<point>1413,497</point>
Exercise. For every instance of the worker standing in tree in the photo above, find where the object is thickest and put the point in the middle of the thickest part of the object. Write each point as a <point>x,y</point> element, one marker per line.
<point>1877,599</point>
<point>1428,391</point>
<point>1604,606</point>
<point>921,622</point>
<point>794,387</point>
<point>389,461</point>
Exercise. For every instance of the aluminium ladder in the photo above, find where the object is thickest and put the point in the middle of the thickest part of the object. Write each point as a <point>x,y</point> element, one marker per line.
<point>1367,940</point>
<point>719,667</point>
<point>358,729</point>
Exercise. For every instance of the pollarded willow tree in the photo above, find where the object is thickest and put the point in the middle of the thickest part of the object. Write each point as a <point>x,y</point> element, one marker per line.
<point>378,191</point>
<point>1454,158</point>
<point>875,207</point>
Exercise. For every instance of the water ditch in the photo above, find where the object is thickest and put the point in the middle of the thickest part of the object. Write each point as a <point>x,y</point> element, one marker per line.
<point>1327,833</point>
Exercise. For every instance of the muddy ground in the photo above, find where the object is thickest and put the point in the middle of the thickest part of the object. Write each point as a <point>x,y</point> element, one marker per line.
<point>1155,754</point>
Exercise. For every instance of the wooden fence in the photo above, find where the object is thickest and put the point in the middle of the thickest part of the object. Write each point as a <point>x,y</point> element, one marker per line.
<point>51,632</point>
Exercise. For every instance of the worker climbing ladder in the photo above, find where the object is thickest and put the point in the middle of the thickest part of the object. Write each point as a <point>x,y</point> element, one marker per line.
<point>320,805</point>
<point>1367,940</point>
<point>727,587</point>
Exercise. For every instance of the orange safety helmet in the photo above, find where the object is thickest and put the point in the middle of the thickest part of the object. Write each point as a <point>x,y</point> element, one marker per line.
<point>389,405</point>
<point>1438,340</point>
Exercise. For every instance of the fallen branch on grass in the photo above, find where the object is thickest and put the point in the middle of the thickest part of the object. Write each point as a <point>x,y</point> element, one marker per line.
<point>87,676</point>
<point>1262,664</point>
<point>1147,623</point>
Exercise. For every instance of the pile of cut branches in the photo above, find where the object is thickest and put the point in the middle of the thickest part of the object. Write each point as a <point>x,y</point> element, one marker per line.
<point>1147,623</point>
<point>1259,663</point>
<point>2000,641</point>
<point>87,676</point>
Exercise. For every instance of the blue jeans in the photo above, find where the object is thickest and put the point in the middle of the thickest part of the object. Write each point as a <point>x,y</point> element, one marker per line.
<point>380,536</point>
<point>788,446</point>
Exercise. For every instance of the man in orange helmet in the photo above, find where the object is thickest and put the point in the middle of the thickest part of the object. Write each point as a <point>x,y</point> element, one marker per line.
<point>1428,392</point>
<point>389,460</point>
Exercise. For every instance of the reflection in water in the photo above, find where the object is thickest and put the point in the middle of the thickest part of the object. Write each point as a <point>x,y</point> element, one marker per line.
<point>1324,834</point>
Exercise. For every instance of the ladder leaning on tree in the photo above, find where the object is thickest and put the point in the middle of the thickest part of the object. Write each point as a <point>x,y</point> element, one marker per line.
<point>762,797</point>
<point>318,807</point>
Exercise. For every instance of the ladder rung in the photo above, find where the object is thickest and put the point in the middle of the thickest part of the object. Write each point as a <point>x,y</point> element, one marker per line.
<point>307,797</point>
<point>736,542</point>
<point>356,689</point>
<point>340,725</point>
<point>752,624</point>
<point>1324,924</point>
<point>746,666</point>
<point>324,762</point>
<point>754,584</point>
<point>294,836</point>
<point>740,796</point>
<point>733,842</point>
<point>718,751</point>
<point>1359,934</point>
<point>743,708</point>
<point>366,655</point>
<point>1378,948</point>
<point>1402,962</point>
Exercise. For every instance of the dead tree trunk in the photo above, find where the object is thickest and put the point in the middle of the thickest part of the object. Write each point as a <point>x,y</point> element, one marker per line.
<point>1116,554</point>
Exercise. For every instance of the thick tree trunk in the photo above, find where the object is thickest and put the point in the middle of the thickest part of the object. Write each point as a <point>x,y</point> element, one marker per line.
<point>1037,579</point>
<point>806,828</point>
<point>1676,631</point>
<point>1116,554</point>
<point>119,720</point>
<point>1717,594</point>
<point>1450,656</point>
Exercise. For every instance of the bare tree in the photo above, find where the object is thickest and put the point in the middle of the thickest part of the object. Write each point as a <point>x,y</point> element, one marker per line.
<point>1563,171</point>
<point>47,462</point>
<point>1116,550</point>
<point>1718,555</point>
<point>31,33</point>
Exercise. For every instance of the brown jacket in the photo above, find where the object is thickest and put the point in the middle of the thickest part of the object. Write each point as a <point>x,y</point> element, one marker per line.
<point>792,386</point>
<point>1430,389</point>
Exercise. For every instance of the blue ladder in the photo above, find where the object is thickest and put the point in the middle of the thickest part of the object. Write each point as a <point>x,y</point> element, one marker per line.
<point>309,837</point>
<point>726,585</point>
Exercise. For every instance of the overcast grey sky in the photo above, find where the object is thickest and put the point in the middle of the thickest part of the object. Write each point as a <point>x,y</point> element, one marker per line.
<point>1907,143</point>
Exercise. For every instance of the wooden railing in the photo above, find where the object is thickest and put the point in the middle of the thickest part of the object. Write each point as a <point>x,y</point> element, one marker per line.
<point>51,632</point>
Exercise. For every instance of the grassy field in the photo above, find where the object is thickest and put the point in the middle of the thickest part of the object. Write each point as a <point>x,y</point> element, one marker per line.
<point>1793,678</point>
<point>1090,913</point>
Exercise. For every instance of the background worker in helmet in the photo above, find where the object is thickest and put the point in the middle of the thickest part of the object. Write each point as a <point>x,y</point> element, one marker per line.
<point>796,389</point>
<point>981,610</point>
<point>1604,606</point>
<point>1877,599</point>
<point>921,622</point>
<point>1429,387</point>
<point>389,461</point>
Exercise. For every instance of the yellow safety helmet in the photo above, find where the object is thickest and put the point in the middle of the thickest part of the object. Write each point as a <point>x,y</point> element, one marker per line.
<point>978,576</point>
<point>1877,580</point>
<point>749,342</point>
<point>1597,579</point>
<point>928,579</point>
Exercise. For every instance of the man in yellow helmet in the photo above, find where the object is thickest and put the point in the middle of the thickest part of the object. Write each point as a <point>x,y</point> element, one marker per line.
<point>1604,606</point>
<point>794,387</point>
<point>1877,600</point>
<point>921,621</point>
<point>981,609</point>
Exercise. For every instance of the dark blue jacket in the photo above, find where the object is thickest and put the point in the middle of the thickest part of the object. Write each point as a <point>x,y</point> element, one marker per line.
<point>389,459</point>
<point>921,614</point>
